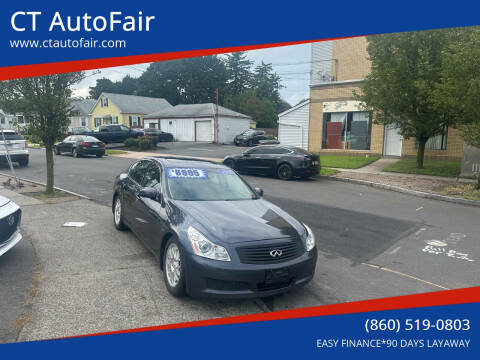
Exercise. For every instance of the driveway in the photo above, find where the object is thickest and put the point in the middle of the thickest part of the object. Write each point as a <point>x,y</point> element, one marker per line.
<point>199,149</point>
<point>372,243</point>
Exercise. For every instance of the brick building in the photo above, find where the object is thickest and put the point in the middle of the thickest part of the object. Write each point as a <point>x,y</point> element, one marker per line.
<point>338,124</point>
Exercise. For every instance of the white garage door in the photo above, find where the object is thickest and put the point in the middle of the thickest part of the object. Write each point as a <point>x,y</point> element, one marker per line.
<point>203,130</point>
<point>290,135</point>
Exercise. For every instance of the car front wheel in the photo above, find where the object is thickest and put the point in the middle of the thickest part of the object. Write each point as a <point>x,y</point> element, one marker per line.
<point>174,268</point>
<point>118,215</point>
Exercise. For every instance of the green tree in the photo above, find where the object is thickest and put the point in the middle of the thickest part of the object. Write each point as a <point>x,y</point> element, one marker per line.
<point>459,91</point>
<point>238,72</point>
<point>259,108</point>
<point>46,100</point>
<point>187,81</point>
<point>267,84</point>
<point>401,87</point>
<point>101,85</point>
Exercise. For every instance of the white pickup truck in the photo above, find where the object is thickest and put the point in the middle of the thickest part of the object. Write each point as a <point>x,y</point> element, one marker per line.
<point>16,145</point>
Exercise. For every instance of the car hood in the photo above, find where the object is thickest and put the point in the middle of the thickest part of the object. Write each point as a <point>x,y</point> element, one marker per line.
<point>239,221</point>
<point>3,201</point>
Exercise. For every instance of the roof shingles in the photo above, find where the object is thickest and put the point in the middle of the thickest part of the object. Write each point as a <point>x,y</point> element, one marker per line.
<point>132,104</point>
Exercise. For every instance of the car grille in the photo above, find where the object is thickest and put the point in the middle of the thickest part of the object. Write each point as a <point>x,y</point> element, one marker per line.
<point>261,254</point>
<point>7,230</point>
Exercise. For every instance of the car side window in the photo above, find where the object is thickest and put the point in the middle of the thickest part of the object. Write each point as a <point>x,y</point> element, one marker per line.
<point>68,139</point>
<point>137,170</point>
<point>279,151</point>
<point>152,177</point>
<point>115,128</point>
<point>103,128</point>
<point>124,128</point>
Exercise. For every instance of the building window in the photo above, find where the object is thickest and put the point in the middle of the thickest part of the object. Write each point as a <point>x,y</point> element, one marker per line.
<point>97,122</point>
<point>104,102</point>
<point>84,121</point>
<point>438,142</point>
<point>134,121</point>
<point>347,130</point>
<point>20,119</point>
<point>114,119</point>
<point>2,120</point>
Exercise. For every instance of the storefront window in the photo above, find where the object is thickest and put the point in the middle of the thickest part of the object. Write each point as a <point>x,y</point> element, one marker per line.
<point>347,130</point>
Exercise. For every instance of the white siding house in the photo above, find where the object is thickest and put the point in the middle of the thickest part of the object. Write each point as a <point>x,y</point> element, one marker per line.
<point>293,125</point>
<point>196,122</point>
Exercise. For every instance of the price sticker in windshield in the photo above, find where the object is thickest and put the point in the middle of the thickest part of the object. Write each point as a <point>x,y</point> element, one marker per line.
<point>186,173</point>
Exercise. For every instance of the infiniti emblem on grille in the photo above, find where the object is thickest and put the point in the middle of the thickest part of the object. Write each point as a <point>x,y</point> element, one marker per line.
<point>11,220</point>
<point>276,253</point>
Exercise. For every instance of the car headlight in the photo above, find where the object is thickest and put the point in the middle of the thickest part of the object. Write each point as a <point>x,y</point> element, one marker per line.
<point>310,240</point>
<point>205,248</point>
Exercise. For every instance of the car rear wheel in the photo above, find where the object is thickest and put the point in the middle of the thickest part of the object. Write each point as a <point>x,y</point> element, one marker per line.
<point>285,172</point>
<point>75,154</point>
<point>118,215</point>
<point>57,151</point>
<point>230,164</point>
<point>99,155</point>
<point>174,268</point>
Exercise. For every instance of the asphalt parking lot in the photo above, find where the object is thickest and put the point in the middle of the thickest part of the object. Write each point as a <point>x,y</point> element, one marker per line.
<point>372,243</point>
<point>199,149</point>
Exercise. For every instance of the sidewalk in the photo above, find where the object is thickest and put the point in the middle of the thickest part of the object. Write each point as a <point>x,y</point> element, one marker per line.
<point>95,278</point>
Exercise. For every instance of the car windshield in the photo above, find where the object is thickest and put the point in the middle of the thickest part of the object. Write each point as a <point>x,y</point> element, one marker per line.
<point>10,135</point>
<point>206,184</point>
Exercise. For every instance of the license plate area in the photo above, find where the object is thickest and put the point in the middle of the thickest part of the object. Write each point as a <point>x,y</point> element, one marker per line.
<point>277,276</point>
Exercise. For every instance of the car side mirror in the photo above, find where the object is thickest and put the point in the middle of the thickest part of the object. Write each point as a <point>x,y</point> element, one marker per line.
<point>259,191</point>
<point>122,176</point>
<point>149,193</point>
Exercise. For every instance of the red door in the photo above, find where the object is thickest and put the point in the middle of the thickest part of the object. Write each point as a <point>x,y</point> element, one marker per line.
<point>334,135</point>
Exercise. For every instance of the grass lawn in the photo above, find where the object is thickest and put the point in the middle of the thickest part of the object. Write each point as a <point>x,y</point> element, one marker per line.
<point>466,191</point>
<point>430,167</point>
<point>42,195</point>
<point>346,162</point>
<point>114,152</point>
<point>328,172</point>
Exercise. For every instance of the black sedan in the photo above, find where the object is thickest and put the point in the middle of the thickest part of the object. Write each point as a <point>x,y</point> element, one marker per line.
<point>285,162</point>
<point>161,136</point>
<point>250,137</point>
<point>79,145</point>
<point>213,235</point>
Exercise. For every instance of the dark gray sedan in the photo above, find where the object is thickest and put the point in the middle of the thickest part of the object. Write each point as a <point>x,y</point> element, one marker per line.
<point>79,145</point>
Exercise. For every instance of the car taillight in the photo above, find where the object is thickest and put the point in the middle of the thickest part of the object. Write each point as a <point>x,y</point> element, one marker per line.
<point>102,144</point>
<point>83,143</point>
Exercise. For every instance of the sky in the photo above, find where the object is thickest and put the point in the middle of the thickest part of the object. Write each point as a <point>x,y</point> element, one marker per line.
<point>291,63</point>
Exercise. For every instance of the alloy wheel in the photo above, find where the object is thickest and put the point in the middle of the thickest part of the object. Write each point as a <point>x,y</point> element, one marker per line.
<point>173,266</point>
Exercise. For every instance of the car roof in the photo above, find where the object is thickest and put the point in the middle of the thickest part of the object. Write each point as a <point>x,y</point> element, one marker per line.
<point>185,162</point>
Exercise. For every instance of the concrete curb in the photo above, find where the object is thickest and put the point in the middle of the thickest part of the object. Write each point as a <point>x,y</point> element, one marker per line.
<point>406,191</point>
<point>43,184</point>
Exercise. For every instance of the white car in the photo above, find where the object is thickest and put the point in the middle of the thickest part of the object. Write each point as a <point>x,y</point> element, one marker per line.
<point>10,217</point>
<point>16,146</point>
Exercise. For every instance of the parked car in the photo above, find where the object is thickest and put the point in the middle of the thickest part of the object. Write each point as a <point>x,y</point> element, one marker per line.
<point>10,217</point>
<point>162,136</point>
<point>114,133</point>
<point>285,162</point>
<point>250,137</point>
<point>16,145</point>
<point>79,130</point>
<point>213,235</point>
<point>79,145</point>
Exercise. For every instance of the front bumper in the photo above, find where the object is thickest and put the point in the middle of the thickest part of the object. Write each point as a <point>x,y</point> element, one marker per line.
<point>217,279</point>
<point>11,242</point>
